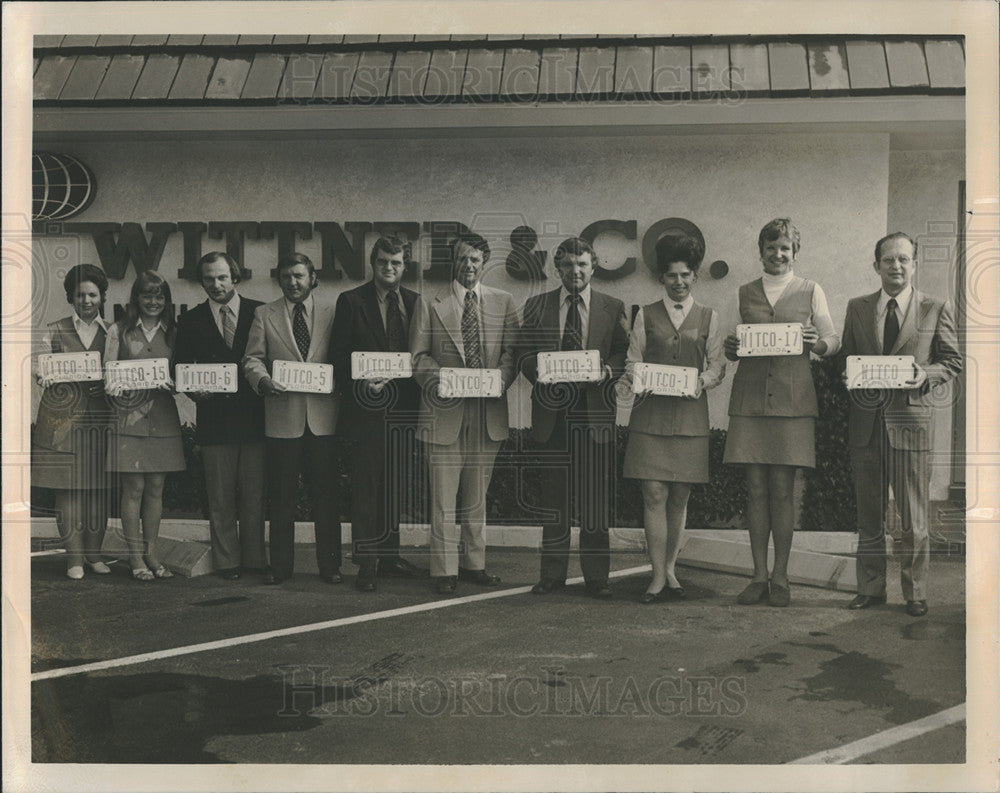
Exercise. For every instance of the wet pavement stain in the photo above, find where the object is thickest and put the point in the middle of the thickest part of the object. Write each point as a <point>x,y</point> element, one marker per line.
<point>928,629</point>
<point>710,739</point>
<point>750,665</point>
<point>221,601</point>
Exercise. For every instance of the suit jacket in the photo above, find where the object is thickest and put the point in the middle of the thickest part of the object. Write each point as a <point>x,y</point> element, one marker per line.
<point>607,331</point>
<point>927,332</point>
<point>287,415</point>
<point>436,341</point>
<point>358,327</point>
<point>221,418</point>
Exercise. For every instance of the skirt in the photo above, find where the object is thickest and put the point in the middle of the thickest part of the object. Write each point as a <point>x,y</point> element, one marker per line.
<point>666,458</point>
<point>78,467</point>
<point>134,454</point>
<point>771,440</point>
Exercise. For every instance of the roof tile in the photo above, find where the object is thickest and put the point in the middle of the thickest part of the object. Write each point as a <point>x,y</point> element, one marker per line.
<point>184,40</point>
<point>945,63</point>
<point>51,76</point>
<point>750,71</point>
<point>219,41</point>
<point>866,64</point>
<point>47,41</point>
<point>446,73</point>
<point>372,77</point>
<point>148,41</point>
<point>557,72</point>
<point>301,76</point>
<point>361,38</point>
<point>394,39</point>
<point>907,66</point>
<point>336,75</point>
<point>828,67</point>
<point>255,40</point>
<point>671,69</point>
<point>326,39</point>
<point>285,40</point>
<point>86,77</point>
<point>409,73</point>
<point>157,77</point>
<point>80,41</point>
<point>265,75</point>
<point>634,70</point>
<point>113,41</point>
<point>228,78</point>
<point>788,63</point>
<point>596,71</point>
<point>192,77</point>
<point>709,68</point>
<point>520,73</point>
<point>482,73</point>
<point>122,76</point>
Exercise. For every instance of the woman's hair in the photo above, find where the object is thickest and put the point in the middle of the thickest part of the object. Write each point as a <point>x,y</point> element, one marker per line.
<point>779,227</point>
<point>81,274</point>
<point>149,281</point>
<point>679,248</point>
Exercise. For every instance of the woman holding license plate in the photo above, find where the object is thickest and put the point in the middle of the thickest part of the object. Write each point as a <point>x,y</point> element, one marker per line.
<point>668,434</point>
<point>147,444</point>
<point>71,434</point>
<point>772,409</point>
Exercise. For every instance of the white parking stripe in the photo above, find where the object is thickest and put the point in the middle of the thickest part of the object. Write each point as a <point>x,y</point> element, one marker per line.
<point>297,629</point>
<point>886,738</point>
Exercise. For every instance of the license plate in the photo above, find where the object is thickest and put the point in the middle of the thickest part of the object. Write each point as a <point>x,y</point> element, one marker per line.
<point>219,378</point>
<point>380,365</point>
<point>70,367</point>
<point>309,378</point>
<point>138,375</point>
<point>578,366</point>
<point>769,339</point>
<point>455,383</point>
<point>879,371</point>
<point>662,380</point>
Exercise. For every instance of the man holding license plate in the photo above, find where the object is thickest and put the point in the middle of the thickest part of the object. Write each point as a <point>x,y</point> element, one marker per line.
<point>286,361</point>
<point>899,346</point>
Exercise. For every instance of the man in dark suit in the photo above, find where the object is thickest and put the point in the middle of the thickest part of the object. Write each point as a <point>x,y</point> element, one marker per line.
<point>471,327</point>
<point>575,422</point>
<point>230,427</point>
<point>890,433</point>
<point>377,417</point>
<point>299,427</point>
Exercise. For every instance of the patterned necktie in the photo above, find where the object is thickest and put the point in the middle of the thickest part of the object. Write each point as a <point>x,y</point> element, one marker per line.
<point>394,333</point>
<point>470,332</point>
<point>678,306</point>
<point>573,331</point>
<point>891,330</point>
<point>301,331</point>
<point>228,326</point>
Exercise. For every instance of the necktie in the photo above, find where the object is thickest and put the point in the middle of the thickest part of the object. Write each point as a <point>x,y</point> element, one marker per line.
<point>301,331</point>
<point>228,326</point>
<point>678,306</point>
<point>470,332</point>
<point>395,335</point>
<point>891,330</point>
<point>573,331</point>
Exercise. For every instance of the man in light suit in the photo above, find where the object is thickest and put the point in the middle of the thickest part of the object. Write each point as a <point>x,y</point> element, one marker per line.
<point>575,422</point>
<point>230,426</point>
<point>474,327</point>
<point>377,417</point>
<point>299,426</point>
<point>890,434</point>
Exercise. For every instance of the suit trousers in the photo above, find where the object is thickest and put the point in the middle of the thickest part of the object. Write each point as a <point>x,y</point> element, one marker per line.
<point>461,469</point>
<point>316,457</point>
<point>576,480</point>
<point>234,481</point>
<point>379,469</point>
<point>876,466</point>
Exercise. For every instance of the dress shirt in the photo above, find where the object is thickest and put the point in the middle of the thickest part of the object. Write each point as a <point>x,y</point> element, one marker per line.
<point>87,330</point>
<point>307,305</point>
<point>383,307</point>
<point>459,291</point>
<point>234,306</point>
<point>902,305</point>
<point>583,307</point>
<point>113,341</point>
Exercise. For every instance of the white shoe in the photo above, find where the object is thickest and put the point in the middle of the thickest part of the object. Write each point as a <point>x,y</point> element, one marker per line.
<point>98,567</point>
<point>75,572</point>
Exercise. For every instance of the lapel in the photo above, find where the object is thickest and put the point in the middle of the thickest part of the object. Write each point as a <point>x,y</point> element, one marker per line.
<point>451,318</point>
<point>372,315</point>
<point>208,321</point>
<point>492,319</point>
<point>322,320</point>
<point>598,322</point>
<point>243,323</point>
<point>550,318</point>
<point>277,316</point>
<point>909,327</point>
<point>409,301</point>
<point>869,339</point>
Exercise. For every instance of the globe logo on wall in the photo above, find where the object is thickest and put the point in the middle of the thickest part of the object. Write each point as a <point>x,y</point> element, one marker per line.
<point>61,186</point>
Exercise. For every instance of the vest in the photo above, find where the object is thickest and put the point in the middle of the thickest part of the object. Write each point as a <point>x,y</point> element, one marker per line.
<point>684,346</point>
<point>146,413</point>
<point>780,385</point>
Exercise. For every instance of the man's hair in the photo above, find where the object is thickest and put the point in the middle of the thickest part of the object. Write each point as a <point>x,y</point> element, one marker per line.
<point>574,246</point>
<point>392,246</point>
<point>214,256</point>
<point>473,240</point>
<point>292,259</point>
<point>896,235</point>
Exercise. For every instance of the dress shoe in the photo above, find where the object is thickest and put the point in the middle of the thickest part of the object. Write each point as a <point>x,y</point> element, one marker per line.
<point>916,608</point>
<point>272,578</point>
<point>675,593</point>
<point>446,585</point>
<point>779,596</point>
<point>98,567</point>
<point>75,572</point>
<point>865,602</point>
<point>755,592</point>
<point>365,582</point>
<point>229,574</point>
<point>547,586</point>
<point>653,597</point>
<point>400,568</point>
<point>332,578</point>
<point>599,589</point>
<point>480,577</point>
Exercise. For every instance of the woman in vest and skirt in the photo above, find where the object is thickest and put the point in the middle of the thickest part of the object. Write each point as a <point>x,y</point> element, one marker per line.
<point>147,444</point>
<point>71,432</point>
<point>668,435</point>
<point>772,409</point>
